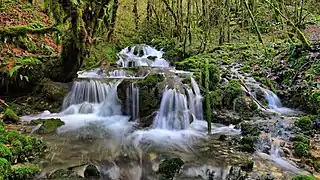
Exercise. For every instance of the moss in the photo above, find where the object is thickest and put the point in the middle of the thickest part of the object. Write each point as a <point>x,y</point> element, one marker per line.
<point>232,91</point>
<point>247,143</point>
<point>245,106</point>
<point>303,177</point>
<point>63,174</point>
<point>10,116</point>
<point>250,129</point>
<point>214,76</point>
<point>301,149</point>
<point>5,152</point>
<point>169,167</point>
<point>248,166</point>
<point>304,123</point>
<point>5,168</point>
<point>24,171</point>
<point>48,125</point>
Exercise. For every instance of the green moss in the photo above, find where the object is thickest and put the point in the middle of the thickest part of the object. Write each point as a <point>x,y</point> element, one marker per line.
<point>10,116</point>
<point>245,106</point>
<point>5,168</point>
<point>214,76</point>
<point>24,171</point>
<point>247,143</point>
<point>169,167</point>
<point>5,152</point>
<point>48,125</point>
<point>151,80</point>
<point>232,91</point>
<point>304,123</point>
<point>301,146</point>
<point>303,177</point>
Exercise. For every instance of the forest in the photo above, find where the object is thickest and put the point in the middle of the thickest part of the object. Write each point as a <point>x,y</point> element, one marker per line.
<point>160,89</point>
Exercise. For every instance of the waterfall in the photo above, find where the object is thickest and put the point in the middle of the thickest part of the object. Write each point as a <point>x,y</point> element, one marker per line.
<point>132,101</point>
<point>141,55</point>
<point>87,91</point>
<point>177,110</point>
<point>274,103</point>
<point>174,113</point>
<point>196,100</point>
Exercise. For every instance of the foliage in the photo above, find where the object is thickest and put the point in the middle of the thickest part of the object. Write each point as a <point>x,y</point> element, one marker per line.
<point>303,177</point>
<point>17,148</point>
<point>304,123</point>
<point>232,91</point>
<point>301,146</point>
<point>47,125</point>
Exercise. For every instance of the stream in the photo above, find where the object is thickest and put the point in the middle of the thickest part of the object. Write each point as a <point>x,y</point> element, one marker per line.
<point>101,129</point>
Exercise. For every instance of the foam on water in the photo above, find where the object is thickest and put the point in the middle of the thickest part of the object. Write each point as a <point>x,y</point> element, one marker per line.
<point>274,103</point>
<point>139,55</point>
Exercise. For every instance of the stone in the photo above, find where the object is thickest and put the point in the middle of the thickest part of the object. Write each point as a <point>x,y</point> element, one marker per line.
<point>10,116</point>
<point>91,171</point>
<point>47,125</point>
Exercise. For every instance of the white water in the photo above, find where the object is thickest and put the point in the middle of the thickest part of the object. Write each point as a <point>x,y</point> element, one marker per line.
<point>274,103</point>
<point>132,101</point>
<point>127,58</point>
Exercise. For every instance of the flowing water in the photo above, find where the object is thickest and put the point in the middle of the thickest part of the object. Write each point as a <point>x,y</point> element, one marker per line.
<point>92,110</point>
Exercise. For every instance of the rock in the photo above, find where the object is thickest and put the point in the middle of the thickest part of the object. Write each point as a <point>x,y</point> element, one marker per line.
<point>245,106</point>
<point>24,171</point>
<point>170,167</point>
<point>10,116</point>
<point>91,171</point>
<point>236,173</point>
<point>48,125</point>
<point>54,91</point>
<point>63,174</point>
<point>232,91</point>
<point>248,166</point>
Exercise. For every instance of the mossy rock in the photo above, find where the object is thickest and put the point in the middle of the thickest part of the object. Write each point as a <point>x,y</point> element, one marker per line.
<point>245,106</point>
<point>63,174</point>
<point>10,116</point>
<point>24,171</point>
<point>5,168</point>
<point>53,92</point>
<point>247,143</point>
<point>48,125</point>
<point>304,123</point>
<point>170,167</point>
<point>231,92</point>
<point>248,165</point>
<point>250,129</point>
<point>303,177</point>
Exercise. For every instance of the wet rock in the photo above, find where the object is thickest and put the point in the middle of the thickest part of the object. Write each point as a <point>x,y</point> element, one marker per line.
<point>170,167</point>
<point>47,125</point>
<point>63,174</point>
<point>10,116</point>
<point>236,173</point>
<point>54,91</point>
<point>91,171</point>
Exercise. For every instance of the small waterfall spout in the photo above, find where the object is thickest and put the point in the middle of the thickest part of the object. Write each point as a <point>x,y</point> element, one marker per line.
<point>141,55</point>
<point>274,103</point>
<point>195,100</point>
<point>87,91</point>
<point>132,101</point>
<point>174,113</point>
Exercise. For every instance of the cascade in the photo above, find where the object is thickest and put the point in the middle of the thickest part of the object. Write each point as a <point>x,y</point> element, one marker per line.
<point>274,103</point>
<point>141,55</point>
<point>132,101</point>
<point>87,91</point>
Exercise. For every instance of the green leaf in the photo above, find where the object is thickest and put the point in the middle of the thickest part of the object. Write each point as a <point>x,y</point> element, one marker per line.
<point>14,69</point>
<point>318,85</point>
